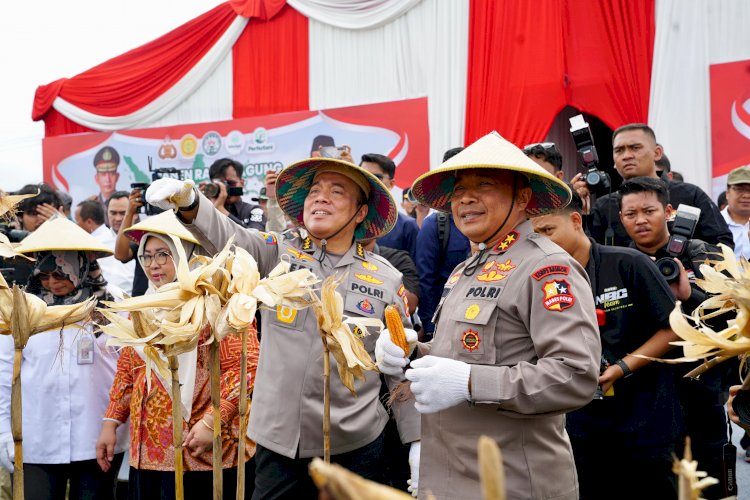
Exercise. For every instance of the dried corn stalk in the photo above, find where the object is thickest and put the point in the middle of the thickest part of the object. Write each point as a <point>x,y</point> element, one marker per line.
<point>351,356</point>
<point>342,484</point>
<point>23,315</point>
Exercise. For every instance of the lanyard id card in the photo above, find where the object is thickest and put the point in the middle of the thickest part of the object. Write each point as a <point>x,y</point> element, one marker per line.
<point>85,349</point>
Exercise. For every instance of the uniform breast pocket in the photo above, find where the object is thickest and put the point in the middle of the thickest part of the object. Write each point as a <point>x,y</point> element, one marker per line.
<point>474,333</point>
<point>289,318</point>
<point>368,307</point>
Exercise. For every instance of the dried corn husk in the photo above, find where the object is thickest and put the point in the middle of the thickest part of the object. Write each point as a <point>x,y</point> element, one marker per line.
<point>731,295</point>
<point>352,359</point>
<point>8,202</point>
<point>342,484</point>
<point>247,290</point>
<point>690,481</point>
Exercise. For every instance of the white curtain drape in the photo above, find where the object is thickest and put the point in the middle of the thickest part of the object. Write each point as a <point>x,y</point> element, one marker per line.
<point>398,61</point>
<point>175,101</point>
<point>353,14</point>
<point>690,36</point>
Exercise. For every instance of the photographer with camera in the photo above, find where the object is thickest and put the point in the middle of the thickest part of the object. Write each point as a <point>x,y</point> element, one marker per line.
<point>644,211</point>
<point>635,152</point>
<point>225,192</point>
<point>125,249</point>
<point>624,438</point>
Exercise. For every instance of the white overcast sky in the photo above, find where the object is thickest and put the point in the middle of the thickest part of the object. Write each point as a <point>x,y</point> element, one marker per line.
<point>44,40</point>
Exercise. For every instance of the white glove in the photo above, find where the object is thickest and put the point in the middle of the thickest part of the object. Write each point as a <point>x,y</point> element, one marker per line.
<point>389,357</point>
<point>7,451</point>
<point>438,383</point>
<point>414,451</point>
<point>167,193</point>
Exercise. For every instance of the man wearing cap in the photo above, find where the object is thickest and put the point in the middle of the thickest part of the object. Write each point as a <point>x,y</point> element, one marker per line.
<point>737,211</point>
<point>516,344</point>
<point>337,203</point>
<point>106,162</point>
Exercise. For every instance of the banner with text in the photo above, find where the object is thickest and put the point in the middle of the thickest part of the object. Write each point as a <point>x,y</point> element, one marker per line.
<point>397,129</point>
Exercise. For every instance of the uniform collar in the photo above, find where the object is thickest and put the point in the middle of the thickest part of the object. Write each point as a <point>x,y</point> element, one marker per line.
<point>355,252</point>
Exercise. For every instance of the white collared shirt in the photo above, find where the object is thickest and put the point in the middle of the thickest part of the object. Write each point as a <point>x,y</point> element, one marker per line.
<point>117,273</point>
<point>739,234</point>
<point>63,401</point>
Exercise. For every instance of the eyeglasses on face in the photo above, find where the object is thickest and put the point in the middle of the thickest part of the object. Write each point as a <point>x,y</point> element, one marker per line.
<point>159,257</point>
<point>741,188</point>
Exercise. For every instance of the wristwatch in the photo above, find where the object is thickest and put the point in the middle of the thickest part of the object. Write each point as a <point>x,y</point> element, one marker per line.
<point>625,368</point>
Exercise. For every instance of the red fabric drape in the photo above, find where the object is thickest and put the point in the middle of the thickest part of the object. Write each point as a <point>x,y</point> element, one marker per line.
<point>527,60</point>
<point>128,82</point>
<point>270,61</point>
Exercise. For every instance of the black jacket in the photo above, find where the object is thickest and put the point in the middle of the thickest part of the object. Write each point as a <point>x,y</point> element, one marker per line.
<point>711,228</point>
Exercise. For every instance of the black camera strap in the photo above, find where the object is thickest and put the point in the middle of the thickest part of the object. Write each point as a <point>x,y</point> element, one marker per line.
<point>609,234</point>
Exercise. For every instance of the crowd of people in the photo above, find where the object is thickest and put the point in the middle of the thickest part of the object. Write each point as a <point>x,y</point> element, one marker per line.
<point>533,309</point>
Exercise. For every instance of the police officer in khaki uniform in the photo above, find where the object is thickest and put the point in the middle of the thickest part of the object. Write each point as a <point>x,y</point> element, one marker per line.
<point>106,161</point>
<point>337,203</point>
<point>516,343</point>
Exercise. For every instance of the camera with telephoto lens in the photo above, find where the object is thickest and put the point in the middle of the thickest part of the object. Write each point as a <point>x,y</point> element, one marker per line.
<point>596,180</point>
<point>212,189</point>
<point>683,228</point>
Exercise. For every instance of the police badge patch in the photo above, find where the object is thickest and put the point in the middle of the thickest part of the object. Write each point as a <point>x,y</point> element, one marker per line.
<point>557,295</point>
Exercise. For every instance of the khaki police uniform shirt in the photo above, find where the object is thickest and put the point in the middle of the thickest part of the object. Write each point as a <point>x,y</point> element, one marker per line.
<point>287,409</point>
<point>525,321</point>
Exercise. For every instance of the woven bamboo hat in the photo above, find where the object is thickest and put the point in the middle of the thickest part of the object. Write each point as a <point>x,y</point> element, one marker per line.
<point>435,187</point>
<point>293,185</point>
<point>163,223</point>
<point>60,233</point>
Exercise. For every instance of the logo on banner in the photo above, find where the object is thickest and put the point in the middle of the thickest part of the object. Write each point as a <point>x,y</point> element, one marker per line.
<point>211,143</point>
<point>259,143</point>
<point>167,151</point>
<point>235,142</point>
<point>188,146</point>
<point>557,296</point>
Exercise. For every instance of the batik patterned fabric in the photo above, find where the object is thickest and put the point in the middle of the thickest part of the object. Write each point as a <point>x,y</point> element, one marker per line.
<point>151,412</point>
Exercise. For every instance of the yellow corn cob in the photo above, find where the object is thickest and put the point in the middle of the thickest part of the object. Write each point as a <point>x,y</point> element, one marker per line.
<point>396,328</point>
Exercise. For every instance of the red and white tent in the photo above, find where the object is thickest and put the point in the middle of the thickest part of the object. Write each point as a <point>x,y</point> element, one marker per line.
<point>506,65</point>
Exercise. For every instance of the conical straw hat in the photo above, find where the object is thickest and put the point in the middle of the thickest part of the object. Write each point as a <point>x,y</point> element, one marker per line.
<point>163,223</point>
<point>435,188</point>
<point>60,233</point>
<point>295,181</point>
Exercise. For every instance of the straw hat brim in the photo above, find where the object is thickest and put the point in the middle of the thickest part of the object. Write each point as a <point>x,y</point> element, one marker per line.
<point>61,233</point>
<point>294,182</point>
<point>164,223</point>
<point>492,152</point>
